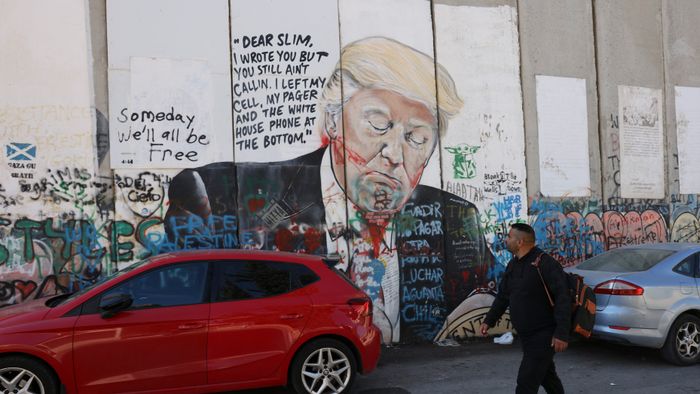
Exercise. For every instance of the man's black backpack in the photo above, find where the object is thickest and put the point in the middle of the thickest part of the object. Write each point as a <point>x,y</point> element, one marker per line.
<point>582,302</point>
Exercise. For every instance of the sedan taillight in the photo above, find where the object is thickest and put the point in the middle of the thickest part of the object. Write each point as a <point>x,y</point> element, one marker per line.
<point>362,307</point>
<point>618,287</point>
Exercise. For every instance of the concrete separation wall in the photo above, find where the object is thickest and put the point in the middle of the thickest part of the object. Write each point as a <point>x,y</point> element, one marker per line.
<point>403,136</point>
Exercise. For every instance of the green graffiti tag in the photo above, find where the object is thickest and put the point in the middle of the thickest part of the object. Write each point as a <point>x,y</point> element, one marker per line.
<point>463,165</point>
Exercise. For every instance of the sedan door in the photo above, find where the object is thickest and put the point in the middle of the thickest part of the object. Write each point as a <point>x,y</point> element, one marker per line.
<point>259,310</point>
<point>157,343</point>
<point>687,280</point>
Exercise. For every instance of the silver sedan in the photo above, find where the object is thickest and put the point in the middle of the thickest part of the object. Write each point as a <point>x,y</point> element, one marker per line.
<point>647,295</point>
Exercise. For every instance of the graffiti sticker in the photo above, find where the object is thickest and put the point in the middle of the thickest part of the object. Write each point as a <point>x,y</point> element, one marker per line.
<point>463,160</point>
<point>20,151</point>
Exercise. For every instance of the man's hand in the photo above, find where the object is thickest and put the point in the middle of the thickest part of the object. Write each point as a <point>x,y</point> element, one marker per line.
<point>484,329</point>
<point>559,345</point>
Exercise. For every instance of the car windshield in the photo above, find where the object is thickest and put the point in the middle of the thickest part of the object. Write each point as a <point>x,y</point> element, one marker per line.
<point>66,297</point>
<point>625,260</point>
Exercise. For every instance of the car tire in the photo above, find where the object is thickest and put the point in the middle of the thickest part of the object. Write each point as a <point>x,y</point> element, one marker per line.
<point>19,372</point>
<point>682,345</point>
<point>323,366</point>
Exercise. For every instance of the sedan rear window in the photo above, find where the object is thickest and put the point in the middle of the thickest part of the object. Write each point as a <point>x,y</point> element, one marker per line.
<point>625,260</point>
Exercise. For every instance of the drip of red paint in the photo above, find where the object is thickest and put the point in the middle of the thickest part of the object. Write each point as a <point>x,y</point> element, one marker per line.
<point>312,240</point>
<point>376,233</point>
<point>255,204</point>
<point>346,153</point>
<point>283,239</point>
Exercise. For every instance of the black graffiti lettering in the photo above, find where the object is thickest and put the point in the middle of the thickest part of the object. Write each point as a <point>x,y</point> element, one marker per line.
<point>194,138</point>
<point>250,86</point>
<point>299,83</point>
<point>287,56</point>
<point>301,108</point>
<point>242,131</point>
<point>149,196</point>
<point>269,69</point>
<point>165,154</point>
<point>245,72</point>
<point>246,117</point>
<point>244,104</point>
<point>247,144</point>
<point>285,39</point>
<point>300,95</point>
<point>258,57</point>
<point>296,69</point>
<point>273,111</point>
<point>256,41</point>
<point>307,56</point>
<point>273,98</point>
<point>151,117</point>
<point>284,123</point>
<point>257,70</point>
<point>286,138</point>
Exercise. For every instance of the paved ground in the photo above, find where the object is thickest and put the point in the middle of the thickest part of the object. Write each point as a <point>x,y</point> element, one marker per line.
<point>484,367</point>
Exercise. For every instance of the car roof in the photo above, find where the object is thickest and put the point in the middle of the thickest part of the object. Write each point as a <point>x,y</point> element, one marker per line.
<point>219,254</point>
<point>675,246</point>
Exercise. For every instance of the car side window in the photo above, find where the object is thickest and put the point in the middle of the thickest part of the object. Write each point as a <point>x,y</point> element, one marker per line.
<point>242,280</point>
<point>688,266</point>
<point>181,284</point>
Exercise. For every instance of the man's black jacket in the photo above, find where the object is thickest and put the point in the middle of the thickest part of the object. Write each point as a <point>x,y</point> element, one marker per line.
<point>521,288</point>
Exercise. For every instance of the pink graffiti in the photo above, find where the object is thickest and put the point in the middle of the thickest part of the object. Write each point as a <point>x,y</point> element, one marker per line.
<point>633,228</point>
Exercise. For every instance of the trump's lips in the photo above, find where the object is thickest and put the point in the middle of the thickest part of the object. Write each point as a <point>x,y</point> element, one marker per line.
<point>380,177</point>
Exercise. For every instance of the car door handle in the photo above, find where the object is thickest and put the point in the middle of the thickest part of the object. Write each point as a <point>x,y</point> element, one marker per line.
<point>190,326</point>
<point>291,316</point>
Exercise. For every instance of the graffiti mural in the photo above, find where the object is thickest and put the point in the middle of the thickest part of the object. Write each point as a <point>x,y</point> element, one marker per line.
<point>39,258</point>
<point>375,141</point>
<point>358,196</point>
<point>573,231</point>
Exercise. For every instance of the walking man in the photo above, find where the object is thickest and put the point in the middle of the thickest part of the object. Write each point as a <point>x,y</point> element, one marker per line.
<point>543,330</point>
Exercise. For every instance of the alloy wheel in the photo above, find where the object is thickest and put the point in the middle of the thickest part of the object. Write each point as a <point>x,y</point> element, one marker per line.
<point>326,370</point>
<point>688,340</point>
<point>14,380</point>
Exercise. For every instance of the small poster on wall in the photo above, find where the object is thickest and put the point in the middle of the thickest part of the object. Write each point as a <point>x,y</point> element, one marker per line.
<point>170,87</point>
<point>641,142</point>
<point>280,64</point>
<point>167,123</point>
<point>562,125</point>
<point>688,129</point>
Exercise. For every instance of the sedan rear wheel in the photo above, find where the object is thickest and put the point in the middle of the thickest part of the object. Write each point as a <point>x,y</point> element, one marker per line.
<point>26,376</point>
<point>682,345</point>
<point>323,366</point>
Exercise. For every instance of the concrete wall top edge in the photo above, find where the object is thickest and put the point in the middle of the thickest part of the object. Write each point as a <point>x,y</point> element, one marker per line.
<point>477,3</point>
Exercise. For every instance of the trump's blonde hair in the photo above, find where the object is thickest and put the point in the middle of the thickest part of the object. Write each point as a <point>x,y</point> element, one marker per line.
<point>383,63</point>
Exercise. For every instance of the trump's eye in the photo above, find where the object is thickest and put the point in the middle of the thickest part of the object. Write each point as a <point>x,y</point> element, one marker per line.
<point>418,137</point>
<point>379,122</point>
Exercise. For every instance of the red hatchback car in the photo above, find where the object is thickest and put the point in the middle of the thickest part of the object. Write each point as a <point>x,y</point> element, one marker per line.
<point>195,322</point>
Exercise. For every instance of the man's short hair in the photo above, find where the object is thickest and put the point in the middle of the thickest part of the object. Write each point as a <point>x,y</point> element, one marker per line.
<point>527,230</point>
<point>382,63</point>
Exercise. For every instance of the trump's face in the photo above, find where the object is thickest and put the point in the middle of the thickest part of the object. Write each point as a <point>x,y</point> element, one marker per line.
<point>386,141</point>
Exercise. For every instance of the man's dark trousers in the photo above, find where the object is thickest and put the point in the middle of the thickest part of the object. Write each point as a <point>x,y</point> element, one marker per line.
<point>537,366</point>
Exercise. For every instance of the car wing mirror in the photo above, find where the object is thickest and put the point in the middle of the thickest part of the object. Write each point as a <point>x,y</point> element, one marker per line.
<point>114,303</point>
